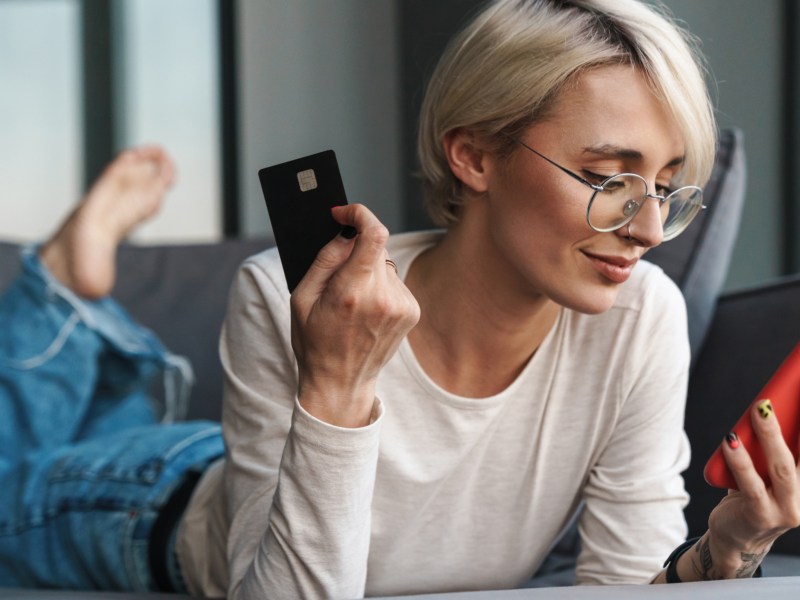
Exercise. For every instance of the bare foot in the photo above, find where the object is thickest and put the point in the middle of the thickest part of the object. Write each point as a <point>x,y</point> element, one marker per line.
<point>82,253</point>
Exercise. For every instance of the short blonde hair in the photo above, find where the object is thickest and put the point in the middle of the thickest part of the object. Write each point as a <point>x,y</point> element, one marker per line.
<point>497,76</point>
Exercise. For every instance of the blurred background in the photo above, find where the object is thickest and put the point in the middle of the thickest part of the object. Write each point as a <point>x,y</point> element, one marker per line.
<point>231,86</point>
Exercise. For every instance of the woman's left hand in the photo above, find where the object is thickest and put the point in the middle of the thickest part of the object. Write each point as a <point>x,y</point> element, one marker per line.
<point>745,524</point>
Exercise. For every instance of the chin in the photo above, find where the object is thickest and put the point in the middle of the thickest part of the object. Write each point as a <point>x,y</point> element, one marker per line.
<point>592,300</point>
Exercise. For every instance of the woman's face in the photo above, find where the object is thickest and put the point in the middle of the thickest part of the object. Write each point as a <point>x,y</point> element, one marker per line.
<point>607,122</point>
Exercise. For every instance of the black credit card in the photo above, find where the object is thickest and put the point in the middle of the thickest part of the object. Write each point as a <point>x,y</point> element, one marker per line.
<point>299,196</point>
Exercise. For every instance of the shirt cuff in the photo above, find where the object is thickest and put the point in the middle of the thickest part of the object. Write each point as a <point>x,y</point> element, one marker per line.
<point>319,433</point>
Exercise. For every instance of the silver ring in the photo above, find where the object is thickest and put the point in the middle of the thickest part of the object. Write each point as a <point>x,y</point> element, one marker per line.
<point>392,264</point>
<point>629,231</point>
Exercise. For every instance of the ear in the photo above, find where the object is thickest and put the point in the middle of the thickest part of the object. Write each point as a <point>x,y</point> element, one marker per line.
<point>466,158</point>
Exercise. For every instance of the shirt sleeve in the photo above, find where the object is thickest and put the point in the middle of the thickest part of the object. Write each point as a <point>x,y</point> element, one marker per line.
<point>635,495</point>
<point>298,490</point>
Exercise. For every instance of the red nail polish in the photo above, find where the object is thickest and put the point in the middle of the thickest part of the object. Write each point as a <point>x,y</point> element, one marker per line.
<point>733,440</point>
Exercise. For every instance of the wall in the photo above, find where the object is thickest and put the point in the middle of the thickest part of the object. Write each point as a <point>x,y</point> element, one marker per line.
<point>316,75</point>
<point>743,43</point>
<point>425,28</point>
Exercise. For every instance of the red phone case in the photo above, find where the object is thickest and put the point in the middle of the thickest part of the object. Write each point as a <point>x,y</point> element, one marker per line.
<point>783,390</point>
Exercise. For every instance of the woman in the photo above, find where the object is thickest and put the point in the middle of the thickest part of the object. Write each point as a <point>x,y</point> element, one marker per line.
<point>427,412</point>
<point>435,426</point>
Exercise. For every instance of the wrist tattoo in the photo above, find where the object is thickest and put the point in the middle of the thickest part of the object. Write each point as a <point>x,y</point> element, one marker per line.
<point>703,565</point>
<point>750,563</point>
<point>706,565</point>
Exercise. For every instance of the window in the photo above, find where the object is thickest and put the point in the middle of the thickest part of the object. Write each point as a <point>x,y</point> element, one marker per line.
<point>153,65</point>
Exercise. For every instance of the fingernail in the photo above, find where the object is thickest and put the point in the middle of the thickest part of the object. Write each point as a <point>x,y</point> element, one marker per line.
<point>733,440</point>
<point>765,409</point>
<point>348,232</point>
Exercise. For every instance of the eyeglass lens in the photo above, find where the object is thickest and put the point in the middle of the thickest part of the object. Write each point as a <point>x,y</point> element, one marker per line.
<point>623,195</point>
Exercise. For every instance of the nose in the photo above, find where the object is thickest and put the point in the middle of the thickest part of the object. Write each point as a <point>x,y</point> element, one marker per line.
<point>646,227</point>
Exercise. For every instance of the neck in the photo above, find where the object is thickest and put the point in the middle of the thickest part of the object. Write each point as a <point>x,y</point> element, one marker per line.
<point>478,328</point>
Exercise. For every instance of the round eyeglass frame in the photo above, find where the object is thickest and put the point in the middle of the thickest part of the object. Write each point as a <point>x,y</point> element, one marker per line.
<point>669,233</point>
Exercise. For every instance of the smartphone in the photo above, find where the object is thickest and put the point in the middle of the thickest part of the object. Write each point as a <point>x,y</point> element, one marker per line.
<point>783,391</point>
<point>299,195</point>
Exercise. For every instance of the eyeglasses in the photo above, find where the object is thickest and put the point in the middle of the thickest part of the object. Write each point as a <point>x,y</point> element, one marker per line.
<point>618,199</point>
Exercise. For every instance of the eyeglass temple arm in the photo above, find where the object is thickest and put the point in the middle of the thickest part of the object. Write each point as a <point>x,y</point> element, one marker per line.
<point>598,188</point>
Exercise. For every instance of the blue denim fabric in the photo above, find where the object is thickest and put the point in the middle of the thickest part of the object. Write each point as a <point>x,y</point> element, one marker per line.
<point>84,466</point>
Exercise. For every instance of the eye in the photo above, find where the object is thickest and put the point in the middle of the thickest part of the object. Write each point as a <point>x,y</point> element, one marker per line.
<point>595,178</point>
<point>663,190</point>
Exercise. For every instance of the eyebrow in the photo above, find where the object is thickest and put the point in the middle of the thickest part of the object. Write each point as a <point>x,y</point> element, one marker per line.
<point>614,151</point>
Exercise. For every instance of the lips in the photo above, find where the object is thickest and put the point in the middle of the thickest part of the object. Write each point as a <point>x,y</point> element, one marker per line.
<point>614,268</point>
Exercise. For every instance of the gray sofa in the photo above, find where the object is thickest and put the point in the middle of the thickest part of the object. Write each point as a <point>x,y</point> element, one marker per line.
<point>737,339</point>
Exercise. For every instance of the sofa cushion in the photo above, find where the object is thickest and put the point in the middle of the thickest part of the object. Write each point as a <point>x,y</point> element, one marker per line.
<point>181,293</point>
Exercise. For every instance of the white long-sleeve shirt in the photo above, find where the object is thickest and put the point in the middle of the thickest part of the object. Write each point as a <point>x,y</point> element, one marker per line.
<point>441,492</point>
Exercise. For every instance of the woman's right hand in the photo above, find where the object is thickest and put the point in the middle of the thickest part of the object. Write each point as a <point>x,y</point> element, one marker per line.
<point>349,314</point>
